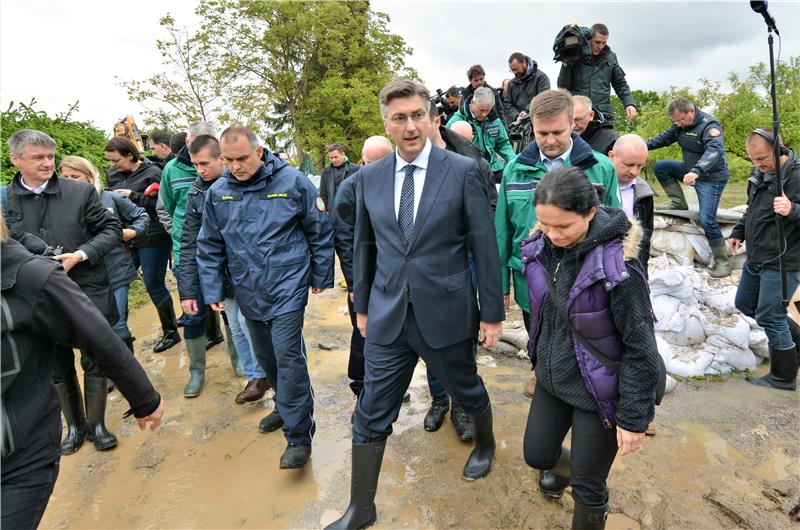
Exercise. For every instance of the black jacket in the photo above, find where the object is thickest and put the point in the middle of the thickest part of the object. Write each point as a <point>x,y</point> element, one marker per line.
<point>42,307</point>
<point>643,209</point>
<point>600,134</point>
<point>138,181</point>
<point>344,225</point>
<point>69,214</point>
<point>521,90</point>
<point>460,145</point>
<point>758,228</point>
<point>330,180</point>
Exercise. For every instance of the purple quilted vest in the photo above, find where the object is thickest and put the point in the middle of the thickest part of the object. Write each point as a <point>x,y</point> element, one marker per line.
<point>587,307</point>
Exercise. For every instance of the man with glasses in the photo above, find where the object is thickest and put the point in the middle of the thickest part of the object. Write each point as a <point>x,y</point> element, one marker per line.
<point>528,81</point>
<point>704,167</point>
<point>592,126</point>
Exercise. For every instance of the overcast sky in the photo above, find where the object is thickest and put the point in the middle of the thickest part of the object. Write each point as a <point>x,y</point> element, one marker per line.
<point>60,52</point>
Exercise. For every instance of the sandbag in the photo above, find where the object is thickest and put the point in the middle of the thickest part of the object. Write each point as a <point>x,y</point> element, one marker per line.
<point>759,344</point>
<point>689,362</point>
<point>673,282</point>
<point>734,357</point>
<point>732,327</point>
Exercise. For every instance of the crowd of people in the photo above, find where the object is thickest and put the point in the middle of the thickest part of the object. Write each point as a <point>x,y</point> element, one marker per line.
<point>435,229</point>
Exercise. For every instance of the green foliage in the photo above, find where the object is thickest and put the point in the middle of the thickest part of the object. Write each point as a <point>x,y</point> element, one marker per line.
<point>71,137</point>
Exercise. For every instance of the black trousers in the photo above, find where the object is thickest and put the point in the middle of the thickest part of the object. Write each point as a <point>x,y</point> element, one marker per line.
<point>27,482</point>
<point>65,364</point>
<point>388,372</point>
<point>355,365</point>
<point>593,447</point>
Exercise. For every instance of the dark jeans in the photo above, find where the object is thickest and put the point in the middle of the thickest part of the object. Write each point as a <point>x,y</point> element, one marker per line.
<point>281,352</point>
<point>195,326</point>
<point>154,261</point>
<point>25,493</point>
<point>759,297</point>
<point>355,364</point>
<point>709,193</point>
<point>64,366</point>
<point>593,447</point>
<point>388,372</point>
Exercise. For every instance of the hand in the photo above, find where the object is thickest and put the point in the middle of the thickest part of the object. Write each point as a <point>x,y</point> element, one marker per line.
<point>124,192</point>
<point>154,419</point>
<point>361,323</point>
<point>352,297</point>
<point>628,442</point>
<point>189,306</point>
<point>506,301</point>
<point>219,307</point>
<point>489,333</point>
<point>630,112</point>
<point>521,116</point>
<point>317,290</point>
<point>128,234</point>
<point>69,260</point>
<point>782,205</point>
<point>734,244</point>
<point>690,178</point>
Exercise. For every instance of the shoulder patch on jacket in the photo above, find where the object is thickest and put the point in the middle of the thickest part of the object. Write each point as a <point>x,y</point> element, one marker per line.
<point>230,197</point>
<point>714,132</point>
<point>320,204</point>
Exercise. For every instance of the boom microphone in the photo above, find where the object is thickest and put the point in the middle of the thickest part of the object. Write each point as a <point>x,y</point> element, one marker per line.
<point>761,7</point>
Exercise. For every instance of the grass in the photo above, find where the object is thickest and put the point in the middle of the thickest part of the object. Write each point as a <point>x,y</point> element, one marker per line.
<point>137,296</point>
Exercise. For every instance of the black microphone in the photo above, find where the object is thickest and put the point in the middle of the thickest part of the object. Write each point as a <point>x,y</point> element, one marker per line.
<point>761,7</point>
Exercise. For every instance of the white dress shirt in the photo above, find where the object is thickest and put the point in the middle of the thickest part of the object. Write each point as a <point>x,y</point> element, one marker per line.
<point>553,163</point>
<point>419,176</point>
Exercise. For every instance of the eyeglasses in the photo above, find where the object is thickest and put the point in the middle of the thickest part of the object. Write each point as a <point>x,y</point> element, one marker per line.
<point>416,117</point>
<point>584,119</point>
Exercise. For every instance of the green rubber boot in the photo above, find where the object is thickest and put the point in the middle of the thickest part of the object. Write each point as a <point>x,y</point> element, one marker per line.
<point>722,267</point>
<point>677,201</point>
<point>236,364</point>
<point>196,348</point>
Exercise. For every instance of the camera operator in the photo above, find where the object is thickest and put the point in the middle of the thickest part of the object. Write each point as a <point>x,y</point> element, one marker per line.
<point>528,81</point>
<point>477,79</point>
<point>592,126</point>
<point>593,75</point>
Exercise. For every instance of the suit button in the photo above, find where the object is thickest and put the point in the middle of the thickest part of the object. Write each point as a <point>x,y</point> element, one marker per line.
<point>37,197</point>
<point>408,258</point>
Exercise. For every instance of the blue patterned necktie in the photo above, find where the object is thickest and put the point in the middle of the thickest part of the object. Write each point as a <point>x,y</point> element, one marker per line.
<point>405,216</point>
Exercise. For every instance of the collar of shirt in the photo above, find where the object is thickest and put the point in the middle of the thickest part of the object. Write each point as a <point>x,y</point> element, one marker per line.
<point>35,191</point>
<point>421,170</point>
<point>628,195</point>
<point>552,163</point>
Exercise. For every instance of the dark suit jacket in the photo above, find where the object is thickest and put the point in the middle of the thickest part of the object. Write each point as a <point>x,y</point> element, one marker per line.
<point>452,219</point>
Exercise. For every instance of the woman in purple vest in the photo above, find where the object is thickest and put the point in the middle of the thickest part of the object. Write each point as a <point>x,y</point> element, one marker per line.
<point>587,255</point>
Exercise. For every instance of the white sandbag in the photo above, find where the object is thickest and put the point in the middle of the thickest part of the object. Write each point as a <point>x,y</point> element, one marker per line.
<point>671,384</point>
<point>750,322</point>
<point>692,332</point>
<point>674,282</point>
<point>732,327</point>
<point>758,343</point>
<point>664,306</point>
<point>731,355</point>
<point>689,362</point>
<point>664,348</point>
<point>721,299</point>
<point>702,250</point>
<point>673,243</point>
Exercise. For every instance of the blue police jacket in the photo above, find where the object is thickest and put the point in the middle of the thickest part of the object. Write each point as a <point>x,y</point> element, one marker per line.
<point>271,234</point>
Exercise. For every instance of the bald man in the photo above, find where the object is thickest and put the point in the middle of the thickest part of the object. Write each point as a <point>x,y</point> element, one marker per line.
<point>629,155</point>
<point>463,129</point>
<point>375,148</point>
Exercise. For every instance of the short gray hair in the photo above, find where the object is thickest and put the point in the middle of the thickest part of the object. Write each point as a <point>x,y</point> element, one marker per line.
<point>679,104</point>
<point>23,137</point>
<point>483,96</point>
<point>403,88</point>
<point>200,128</point>
<point>582,100</point>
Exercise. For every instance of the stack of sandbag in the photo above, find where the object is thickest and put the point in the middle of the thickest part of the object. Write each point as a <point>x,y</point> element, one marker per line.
<point>699,330</point>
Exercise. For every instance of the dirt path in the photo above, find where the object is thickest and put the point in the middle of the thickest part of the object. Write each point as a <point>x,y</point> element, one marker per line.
<point>727,454</point>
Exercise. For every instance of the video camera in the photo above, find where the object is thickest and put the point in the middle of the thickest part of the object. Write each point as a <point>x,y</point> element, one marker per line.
<point>440,100</point>
<point>572,44</point>
<point>520,134</point>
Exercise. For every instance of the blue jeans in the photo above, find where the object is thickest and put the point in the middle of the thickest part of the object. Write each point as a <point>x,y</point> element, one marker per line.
<point>154,261</point>
<point>121,298</point>
<point>241,339</point>
<point>759,297</point>
<point>709,193</point>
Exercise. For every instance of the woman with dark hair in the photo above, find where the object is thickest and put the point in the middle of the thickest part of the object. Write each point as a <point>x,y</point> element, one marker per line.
<point>137,179</point>
<point>589,298</point>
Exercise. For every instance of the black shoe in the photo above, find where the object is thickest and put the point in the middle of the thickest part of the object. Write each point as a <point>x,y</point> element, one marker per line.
<point>213,332</point>
<point>479,463</point>
<point>553,482</point>
<point>589,517</point>
<point>271,422</point>
<point>171,337</point>
<point>295,456</point>
<point>406,397</point>
<point>461,422</point>
<point>96,390</point>
<point>69,394</point>
<point>436,414</point>
<point>366,468</point>
<point>782,370</point>
<point>211,342</point>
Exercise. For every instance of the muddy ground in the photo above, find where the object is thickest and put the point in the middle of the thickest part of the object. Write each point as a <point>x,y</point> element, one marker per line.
<point>726,455</point>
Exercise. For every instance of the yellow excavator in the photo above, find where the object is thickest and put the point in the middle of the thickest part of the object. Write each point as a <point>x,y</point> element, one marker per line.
<point>126,128</point>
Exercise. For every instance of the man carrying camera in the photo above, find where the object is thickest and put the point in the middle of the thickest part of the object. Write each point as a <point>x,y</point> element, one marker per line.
<point>528,81</point>
<point>593,75</point>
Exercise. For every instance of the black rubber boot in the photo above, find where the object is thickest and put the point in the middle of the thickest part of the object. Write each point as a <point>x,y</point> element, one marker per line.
<point>479,462</point>
<point>213,332</point>
<point>553,482</point>
<point>69,394</point>
<point>366,468</point>
<point>794,329</point>
<point>95,388</point>
<point>589,517</point>
<point>461,422</point>
<point>436,414</point>
<point>166,314</point>
<point>782,370</point>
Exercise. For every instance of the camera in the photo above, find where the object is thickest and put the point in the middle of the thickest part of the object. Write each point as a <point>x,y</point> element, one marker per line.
<point>442,105</point>
<point>572,44</point>
<point>519,134</point>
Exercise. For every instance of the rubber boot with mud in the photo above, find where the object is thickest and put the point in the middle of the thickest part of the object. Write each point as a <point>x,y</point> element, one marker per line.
<point>196,348</point>
<point>236,363</point>
<point>722,267</point>
<point>589,517</point>
<point>479,463</point>
<point>436,414</point>
<point>213,331</point>
<point>553,482</point>
<point>69,394</point>
<point>782,370</point>
<point>366,468</point>
<point>171,337</point>
<point>96,393</point>
<point>677,200</point>
<point>461,422</point>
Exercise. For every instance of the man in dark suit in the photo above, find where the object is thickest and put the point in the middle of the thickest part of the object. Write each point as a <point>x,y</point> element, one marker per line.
<point>419,213</point>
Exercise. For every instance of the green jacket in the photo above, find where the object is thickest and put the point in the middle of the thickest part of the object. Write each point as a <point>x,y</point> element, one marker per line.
<point>594,78</point>
<point>489,136</point>
<point>515,215</point>
<point>176,180</point>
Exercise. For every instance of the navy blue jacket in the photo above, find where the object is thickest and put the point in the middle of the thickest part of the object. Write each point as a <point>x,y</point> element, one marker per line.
<point>118,261</point>
<point>273,236</point>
